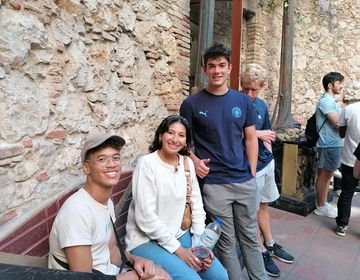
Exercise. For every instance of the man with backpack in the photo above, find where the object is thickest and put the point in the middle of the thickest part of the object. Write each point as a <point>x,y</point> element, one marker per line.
<point>329,144</point>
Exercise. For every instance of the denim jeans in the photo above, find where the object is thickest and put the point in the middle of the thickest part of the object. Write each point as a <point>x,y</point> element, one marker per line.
<point>175,266</point>
<point>348,186</point>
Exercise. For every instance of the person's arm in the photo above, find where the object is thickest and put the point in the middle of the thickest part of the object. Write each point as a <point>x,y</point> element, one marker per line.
<point>79,258</point>
<point>115,256</point>
<point>333,118</point>
<point>356,169</point>
<point>188,257</point>
<point>263,127</point>
<point>200,164</point>
<point>197,207</point>
<point>144,269</point>
<point>160,274</point>
<point>342,123</point>
<point>201,168</point>
<point>251,147</point>
<point>267,136</point>
<point>342,131</point>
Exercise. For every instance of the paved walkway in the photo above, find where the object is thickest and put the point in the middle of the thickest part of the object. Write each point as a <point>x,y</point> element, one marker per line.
<point>319,253</point>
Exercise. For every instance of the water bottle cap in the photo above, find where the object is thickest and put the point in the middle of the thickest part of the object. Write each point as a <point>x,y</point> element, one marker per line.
<point>218,220</point>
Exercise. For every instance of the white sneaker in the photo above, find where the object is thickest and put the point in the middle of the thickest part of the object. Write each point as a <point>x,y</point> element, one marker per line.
<point>326,210</point>
<point>338,192</point>
<point>337,174</point>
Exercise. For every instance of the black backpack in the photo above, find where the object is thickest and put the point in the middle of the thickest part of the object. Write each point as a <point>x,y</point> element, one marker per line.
<point>311,133</point>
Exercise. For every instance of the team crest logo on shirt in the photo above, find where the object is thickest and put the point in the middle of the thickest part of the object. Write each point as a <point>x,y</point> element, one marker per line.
<point>236,111</point>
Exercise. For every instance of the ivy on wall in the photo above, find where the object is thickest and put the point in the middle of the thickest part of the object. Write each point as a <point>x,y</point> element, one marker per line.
<point>272,5</point>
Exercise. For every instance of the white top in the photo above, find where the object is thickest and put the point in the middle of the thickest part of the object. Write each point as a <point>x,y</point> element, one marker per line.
<point>83,221</point>
<point>158,203</point>
<point>350,117</point>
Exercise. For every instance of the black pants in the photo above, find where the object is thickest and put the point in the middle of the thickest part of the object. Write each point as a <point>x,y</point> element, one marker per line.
<point>348,186</point>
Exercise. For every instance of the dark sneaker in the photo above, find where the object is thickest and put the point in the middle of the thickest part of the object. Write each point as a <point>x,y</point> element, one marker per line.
<point>270,266</point>
<point>341,230</point>
<point>278,252</point>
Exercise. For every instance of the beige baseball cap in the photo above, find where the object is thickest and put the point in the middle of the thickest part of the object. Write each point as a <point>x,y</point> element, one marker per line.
<point>94,140</point>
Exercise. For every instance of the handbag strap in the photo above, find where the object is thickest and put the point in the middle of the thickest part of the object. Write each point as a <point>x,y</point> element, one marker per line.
<point>124,259</point>
<point>188,180</point>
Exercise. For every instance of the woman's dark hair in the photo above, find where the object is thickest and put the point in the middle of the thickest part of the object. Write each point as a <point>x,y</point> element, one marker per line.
<point>164,127</point>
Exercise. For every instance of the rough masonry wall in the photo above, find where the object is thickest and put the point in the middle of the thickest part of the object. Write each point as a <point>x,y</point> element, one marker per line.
<point>325,39</point>
<point>70,67</point>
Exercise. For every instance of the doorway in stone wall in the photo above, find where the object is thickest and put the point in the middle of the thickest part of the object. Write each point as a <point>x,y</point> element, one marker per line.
<point>221,31</point>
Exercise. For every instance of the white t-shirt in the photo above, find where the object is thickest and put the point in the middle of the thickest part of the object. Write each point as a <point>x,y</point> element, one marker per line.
<point>158,203</point>
<point>350,117</point>
<point>83,221</point>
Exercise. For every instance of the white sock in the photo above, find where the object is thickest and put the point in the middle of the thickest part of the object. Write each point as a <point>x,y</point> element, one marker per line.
<point>270,243</point>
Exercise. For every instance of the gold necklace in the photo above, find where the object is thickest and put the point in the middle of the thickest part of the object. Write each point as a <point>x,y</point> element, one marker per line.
<point>173,164</point>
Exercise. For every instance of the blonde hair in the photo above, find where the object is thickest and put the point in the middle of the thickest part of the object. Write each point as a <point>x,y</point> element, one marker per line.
<point>253,73</point>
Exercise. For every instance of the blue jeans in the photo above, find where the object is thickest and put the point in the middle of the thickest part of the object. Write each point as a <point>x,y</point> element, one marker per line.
<point>175,266</point>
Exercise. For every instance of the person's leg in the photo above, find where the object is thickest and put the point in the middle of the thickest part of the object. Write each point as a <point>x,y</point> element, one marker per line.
<point>348,186</point>
<point>322,185</point>
<point>175,266</point>
<point>329,161</point>
<point>271,268</point>
<point>269,193</point>
<point>264,222</point>
<point>265,181</point>
<point>245,210</point>
<point>337,182</point>
<point>218,201</point>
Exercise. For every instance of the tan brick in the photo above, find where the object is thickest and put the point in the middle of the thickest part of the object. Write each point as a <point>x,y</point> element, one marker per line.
<point>8,216</point>
<point>10,150</point>
<point>57,134</point>
<point>42,177</point>
<point>27,143</point>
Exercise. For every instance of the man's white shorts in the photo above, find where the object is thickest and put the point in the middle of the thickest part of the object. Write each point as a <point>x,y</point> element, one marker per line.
<point>265,181</point>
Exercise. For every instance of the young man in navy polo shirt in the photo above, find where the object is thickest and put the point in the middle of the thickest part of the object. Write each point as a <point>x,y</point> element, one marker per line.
<point>225,157</point>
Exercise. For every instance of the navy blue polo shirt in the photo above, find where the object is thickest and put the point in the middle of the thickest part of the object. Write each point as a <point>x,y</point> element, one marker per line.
<point>218,124</point>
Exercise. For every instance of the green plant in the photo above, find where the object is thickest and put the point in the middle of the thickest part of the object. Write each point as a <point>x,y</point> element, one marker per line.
<point>269,5</point>
<point>272,5</point>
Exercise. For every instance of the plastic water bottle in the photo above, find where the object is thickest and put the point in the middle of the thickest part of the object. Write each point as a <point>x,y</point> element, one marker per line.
<point>208,240</point>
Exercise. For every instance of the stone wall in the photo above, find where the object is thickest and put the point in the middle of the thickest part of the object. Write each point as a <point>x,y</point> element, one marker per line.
<point>325,39</point>
<point>70,67</point>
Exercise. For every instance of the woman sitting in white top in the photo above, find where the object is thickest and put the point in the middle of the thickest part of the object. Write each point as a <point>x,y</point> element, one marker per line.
<point>159,196</point>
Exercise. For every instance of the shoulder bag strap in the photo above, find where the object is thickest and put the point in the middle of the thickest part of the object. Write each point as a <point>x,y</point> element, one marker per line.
<point>188,180</point>
<point>323,124</point>
<point>67,267</point>
<point>124,259</point>
<point>325,117</point>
